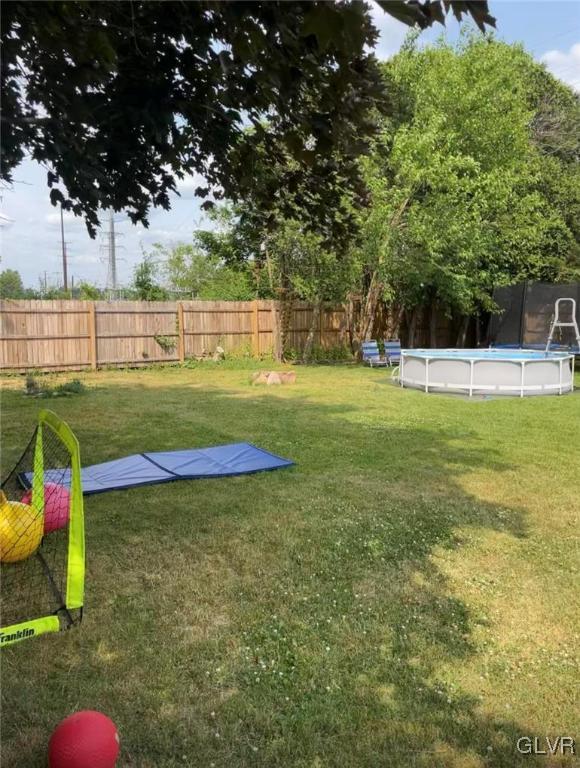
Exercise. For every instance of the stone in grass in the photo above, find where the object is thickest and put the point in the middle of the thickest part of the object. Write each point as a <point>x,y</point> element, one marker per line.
<point>219,354</point>
<point>273,378</point>
<point>260,377</point>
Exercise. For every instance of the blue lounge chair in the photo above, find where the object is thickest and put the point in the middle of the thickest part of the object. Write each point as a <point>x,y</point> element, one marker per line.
<point>393,351</point>
<point>371,354</point>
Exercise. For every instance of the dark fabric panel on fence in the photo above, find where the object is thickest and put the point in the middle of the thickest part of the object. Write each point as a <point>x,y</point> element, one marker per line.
<point>526,311</point>
<point>539,311</point>
<point>505,326</point>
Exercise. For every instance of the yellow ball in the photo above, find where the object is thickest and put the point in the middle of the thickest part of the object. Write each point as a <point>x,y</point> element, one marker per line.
<point>21,529</point>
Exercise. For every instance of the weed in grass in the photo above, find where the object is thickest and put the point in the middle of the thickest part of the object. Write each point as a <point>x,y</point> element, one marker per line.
<point>34,388</point>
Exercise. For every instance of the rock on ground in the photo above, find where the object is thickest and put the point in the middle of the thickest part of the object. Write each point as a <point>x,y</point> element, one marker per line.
<point>261,377</point>
<point>273,377</point>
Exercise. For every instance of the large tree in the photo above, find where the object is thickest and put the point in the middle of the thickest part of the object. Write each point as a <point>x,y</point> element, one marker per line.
<point>121,99</point>
<point>473,184</point>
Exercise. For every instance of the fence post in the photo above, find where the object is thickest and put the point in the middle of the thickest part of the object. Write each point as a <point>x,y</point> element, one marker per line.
<point>92,318</point>
<point>255,328</point>
<point>321,322</point>
<point>181,332</point>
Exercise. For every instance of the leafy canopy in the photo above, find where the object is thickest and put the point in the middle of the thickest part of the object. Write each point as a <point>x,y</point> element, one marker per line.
<point>122,99</point>
<point>201,272</point>
<point>463,192</point>
<point>145,283</point>
<point>305,265</point>
<point>11,286</point>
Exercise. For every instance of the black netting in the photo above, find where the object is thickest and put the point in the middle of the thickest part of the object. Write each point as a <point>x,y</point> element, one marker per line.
<point>33,545</point>
<point>506,325</point>
<point>540,303</point>
<point>526,312</point>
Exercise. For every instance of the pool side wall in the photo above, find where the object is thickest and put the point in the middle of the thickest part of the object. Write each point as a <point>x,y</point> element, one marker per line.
<point>518,377</point>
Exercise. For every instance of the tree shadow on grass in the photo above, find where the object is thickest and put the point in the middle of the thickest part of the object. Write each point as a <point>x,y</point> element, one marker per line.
<point>294,618</point>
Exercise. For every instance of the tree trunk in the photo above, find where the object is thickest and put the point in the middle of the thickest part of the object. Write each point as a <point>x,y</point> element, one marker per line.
<point>363,327</point>
<point>462,334</point>
<point>369,309</point>
<point>397,314</point>
<point>276,340</point>
<point>477,330</point>
<point>371,302</point>
<point>412,324</point>
<point>350,323</point>
<point>314,326</point>
<point>286,306</point>
<point>433,324</point>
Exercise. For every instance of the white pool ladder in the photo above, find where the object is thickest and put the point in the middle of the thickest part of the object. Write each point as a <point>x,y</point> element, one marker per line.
<point>558,323</point>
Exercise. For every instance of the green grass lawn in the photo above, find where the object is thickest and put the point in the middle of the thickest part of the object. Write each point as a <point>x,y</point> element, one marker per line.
<point>406,595</point>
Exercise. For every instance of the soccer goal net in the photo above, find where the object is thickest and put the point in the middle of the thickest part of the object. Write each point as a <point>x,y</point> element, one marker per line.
<point>42,551</point>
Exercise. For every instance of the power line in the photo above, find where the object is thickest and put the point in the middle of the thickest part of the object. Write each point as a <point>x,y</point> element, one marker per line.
<point>564,33</point>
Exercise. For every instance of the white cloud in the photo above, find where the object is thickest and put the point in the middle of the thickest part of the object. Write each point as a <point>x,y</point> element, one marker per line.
<point>565,66</point>
<point>83,258</point>
<point>392,32</point>
<point>187,186</point>
<point>53,219</point>
<point>160,234</point>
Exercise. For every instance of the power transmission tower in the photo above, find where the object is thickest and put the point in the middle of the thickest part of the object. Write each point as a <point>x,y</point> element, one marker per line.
<point>112,247</point>
<point>64,264</point>
<point>112,269</point>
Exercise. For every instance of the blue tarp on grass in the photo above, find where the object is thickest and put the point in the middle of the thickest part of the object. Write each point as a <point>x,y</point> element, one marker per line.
<point>165,466</point>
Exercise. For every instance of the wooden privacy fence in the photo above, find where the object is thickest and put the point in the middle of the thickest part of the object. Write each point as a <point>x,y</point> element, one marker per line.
<point>72,335</point>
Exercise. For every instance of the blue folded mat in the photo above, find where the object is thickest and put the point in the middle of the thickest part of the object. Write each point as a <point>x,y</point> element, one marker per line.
<point>165,466</point>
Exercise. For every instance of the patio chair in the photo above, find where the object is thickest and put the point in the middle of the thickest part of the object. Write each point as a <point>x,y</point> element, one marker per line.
<point>393,351</point>
<point>371,354</point>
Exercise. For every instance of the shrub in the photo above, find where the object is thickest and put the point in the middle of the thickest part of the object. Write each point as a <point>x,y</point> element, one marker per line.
<point>33,388</point>
<point>338,353</point>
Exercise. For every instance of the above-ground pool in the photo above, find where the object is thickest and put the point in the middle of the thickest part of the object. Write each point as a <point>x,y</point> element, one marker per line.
<point>487,371</point>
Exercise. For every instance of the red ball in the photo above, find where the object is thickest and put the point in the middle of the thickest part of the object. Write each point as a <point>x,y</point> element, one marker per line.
<point>56,506</point>
<point>85,739</point>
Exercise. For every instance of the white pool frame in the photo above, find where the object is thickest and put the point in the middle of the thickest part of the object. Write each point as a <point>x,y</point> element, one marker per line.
<point>459,372</point>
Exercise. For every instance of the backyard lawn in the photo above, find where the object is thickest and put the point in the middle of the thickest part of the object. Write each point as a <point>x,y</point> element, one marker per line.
<point>406,595</point>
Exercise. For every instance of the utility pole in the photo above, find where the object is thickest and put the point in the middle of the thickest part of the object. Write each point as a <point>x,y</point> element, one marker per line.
<point>64,266</point>
<point>112,276</point>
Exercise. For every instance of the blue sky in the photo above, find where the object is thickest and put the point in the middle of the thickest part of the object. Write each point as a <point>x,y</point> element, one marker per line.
<point>30,235</point>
